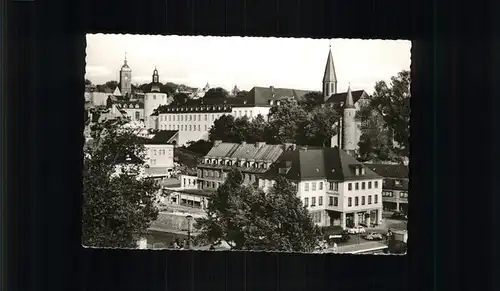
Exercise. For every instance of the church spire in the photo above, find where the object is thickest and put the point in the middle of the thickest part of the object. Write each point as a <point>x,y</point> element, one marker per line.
<point>330,77</point>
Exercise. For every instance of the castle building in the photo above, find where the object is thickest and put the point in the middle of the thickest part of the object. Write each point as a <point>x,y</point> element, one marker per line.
<point>195,117</point>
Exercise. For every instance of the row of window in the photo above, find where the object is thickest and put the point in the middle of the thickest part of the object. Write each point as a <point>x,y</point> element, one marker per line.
<point>396,182</point>
<point>237,163</point>
<point>182,127</point>
<point>334,186</point>
<point>391,194</point>
<point>189,182</point>
<point>215,174</point>
<point>208,184</point>
<point>356,200</point>
<point>363,185</point>
<point>193,117</point>
<point>156,152</point>
<point>332,201</point>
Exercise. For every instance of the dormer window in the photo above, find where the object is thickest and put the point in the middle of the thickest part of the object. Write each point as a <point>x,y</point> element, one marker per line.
<point>397,182</point>
<point>271,102</point>
<point>362,171</point>
<point>277,103</point>
<point>356,171</point>
<point>244,102</point>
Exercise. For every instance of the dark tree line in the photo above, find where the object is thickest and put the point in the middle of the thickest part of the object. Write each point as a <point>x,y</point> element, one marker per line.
<point>290,121</point>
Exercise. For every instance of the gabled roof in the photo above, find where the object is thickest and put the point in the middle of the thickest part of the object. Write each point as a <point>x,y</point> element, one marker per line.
<point>265,152</point>
<point>117,92</point>
<point>323,163</point>
<point>262,95</point>
<point>390,171</point>
<point>341,97</point>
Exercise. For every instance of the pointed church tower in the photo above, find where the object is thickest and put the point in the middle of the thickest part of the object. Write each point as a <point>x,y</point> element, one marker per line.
<point>330,77</point>
<point>125,78</point>
<point>349,124</point>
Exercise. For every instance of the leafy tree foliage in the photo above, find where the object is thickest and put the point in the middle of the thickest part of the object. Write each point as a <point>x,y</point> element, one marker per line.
<point>87,82</point>
<point>118,202</point>
<point>321,125</point>
<point>393,103</point>
<point>248,219</point>
<point>112,84</point>
<point>286,121</point>
<point>385,121</point>
<point>216,93</point>
<point>200,146</point>
<point>311,100</point>
<point>242,94</point>
<point>180,98</point>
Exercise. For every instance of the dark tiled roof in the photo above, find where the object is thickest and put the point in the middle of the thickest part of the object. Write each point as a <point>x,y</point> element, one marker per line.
<point>262,95</point>
<point>390,171</point>
<point>324,163</point>
<point>163,136</point>
<point>265,152</point>
<point>340,97</point>
<point>390,184</point>
<point>205,105</point>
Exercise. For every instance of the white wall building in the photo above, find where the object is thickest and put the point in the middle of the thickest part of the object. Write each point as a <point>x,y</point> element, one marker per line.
<point>335,187</point>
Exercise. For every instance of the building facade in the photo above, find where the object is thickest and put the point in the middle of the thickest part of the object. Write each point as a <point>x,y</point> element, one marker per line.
<point>335,187</point>
<point>395,186</point>
<point>251,159</point>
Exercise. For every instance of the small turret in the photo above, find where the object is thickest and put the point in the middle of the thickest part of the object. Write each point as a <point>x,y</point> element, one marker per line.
<point>349,124</point>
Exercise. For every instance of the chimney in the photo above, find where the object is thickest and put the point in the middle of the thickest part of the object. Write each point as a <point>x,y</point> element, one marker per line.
<point>217,143</point>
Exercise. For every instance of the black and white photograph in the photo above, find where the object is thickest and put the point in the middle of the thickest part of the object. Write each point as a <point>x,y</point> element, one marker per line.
<point>246,144</point>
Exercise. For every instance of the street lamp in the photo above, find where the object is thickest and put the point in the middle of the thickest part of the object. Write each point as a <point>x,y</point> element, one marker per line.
<point>189,218</point>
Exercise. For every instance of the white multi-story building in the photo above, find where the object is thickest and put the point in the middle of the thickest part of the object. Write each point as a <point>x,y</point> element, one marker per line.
<point>194,119</point>
<point>336,188</point>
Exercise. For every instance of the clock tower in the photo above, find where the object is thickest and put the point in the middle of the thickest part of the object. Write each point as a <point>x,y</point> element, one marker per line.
<point>125,78</point>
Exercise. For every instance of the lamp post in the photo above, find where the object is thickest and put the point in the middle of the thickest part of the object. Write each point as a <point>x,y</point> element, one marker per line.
<point>189,218</point>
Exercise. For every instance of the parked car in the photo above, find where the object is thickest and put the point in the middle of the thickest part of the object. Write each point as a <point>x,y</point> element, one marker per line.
<point>341,237</point>
<point>373,236</point>
<point>399,215</point>
<point>356,230</point>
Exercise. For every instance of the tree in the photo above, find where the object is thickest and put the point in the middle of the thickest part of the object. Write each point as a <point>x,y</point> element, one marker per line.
<point>112,84</point>
<point>393,104</point>
<point>200,146</point>
<point>311,100</point>
<point>180,98</point>
<point>258,130</point>
<point>321,125</point>
<point>118,206</point>
<point>286,122</point>
<point>248,219</point>
<point>216,93</point>
<point>241,94</point>
<point>223,129</point>
<point>87,82</point>
<point>375,143</point>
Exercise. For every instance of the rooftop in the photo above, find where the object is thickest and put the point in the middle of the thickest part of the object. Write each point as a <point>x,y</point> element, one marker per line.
<point>321,163</point>
<point>258,151</point>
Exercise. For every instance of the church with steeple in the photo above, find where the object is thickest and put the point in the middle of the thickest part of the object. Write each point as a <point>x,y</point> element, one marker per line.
<point>346,104</point>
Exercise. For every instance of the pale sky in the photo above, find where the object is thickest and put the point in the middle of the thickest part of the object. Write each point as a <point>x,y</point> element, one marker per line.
<point>297,63</point>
